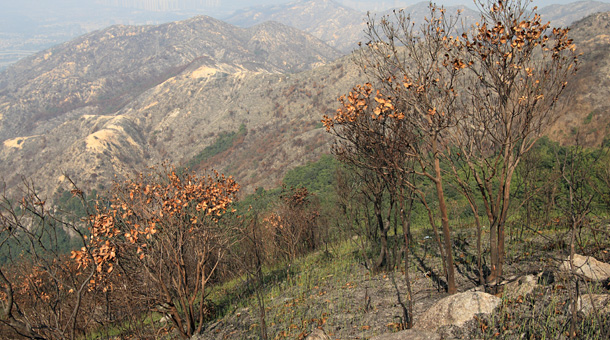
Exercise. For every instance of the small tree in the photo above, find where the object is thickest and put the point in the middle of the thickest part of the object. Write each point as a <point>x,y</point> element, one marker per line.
<point>293,223</point>
<point>516,67</point>
<point>162,232</point>
<point>43,294</point>
<point>415,78</point>
<point>366,143</point>
<point>251,254</point>
<point>475,102</point>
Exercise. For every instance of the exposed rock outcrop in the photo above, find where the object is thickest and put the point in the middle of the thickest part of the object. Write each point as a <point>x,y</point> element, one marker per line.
<point>587,266</point>
<point>409,334</point>
<point>318,334</point>
<point>456,310</point>
<point>520,287</point>
<point>589,303</point>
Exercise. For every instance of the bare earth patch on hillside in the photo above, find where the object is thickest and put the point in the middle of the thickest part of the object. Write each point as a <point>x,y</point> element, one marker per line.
<point>16,143</point>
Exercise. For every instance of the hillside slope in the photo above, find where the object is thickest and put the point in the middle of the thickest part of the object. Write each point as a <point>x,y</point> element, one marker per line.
<point>565,15</point>
<point>193,107</point>
<point>585,112</point>
<point>337,25</point>
<point>177,119</point>
<point>101,72</point>
<point>342,27</point>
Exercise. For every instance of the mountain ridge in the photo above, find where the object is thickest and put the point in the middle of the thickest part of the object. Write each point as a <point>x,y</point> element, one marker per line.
<point>342,27</point>
<point>193,104</point>
<point>106,69</point>
<point>586,116</point>
<point>337,25</point>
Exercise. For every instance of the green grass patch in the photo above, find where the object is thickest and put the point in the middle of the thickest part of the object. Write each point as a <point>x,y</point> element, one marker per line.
<point>589,117</point>
<point>318,177</point>
<point>224,142</point>
<point>300,277</point>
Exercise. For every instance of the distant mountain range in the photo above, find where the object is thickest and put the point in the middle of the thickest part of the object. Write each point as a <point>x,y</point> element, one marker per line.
<point>28,26</point>
<point>585,112</point>
<point>107,69</point>
<point>342,27</point>
<point>338,26</point>
<point>126,97</point>
<point>118,100</point>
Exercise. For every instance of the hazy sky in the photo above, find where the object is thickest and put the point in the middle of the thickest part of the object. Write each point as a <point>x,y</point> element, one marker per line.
<point>385,4</point>
<point>221,7</point>
<point>20,15</point>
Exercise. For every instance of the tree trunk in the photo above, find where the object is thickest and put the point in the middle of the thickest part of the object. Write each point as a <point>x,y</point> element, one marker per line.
<point>406,229</point>
<point>503,216</point>
<point>501,252</point>
<point>475,211</point>
<point>383,252</point>
<point>493,248</point>
<point>451,288</point>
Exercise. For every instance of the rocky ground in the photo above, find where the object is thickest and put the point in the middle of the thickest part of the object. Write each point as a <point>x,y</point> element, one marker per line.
<point>332,292</point>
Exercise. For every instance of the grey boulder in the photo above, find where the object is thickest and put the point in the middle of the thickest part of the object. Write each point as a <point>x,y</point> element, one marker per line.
<point>520,287</point>
<point>589,303</point>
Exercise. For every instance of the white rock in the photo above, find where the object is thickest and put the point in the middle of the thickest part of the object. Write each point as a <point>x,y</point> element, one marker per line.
<point>520,287</point>
<point>318,334</point>
<point>588,303</point>
<point>456,310</point>
<point>409,334</point>
<point>588,267</point>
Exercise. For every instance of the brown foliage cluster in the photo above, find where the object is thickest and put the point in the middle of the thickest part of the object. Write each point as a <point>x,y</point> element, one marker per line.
<point>150,204</point>
<point>152,247</point>
<point>292,228</point>
<point>42,291</point>
<point>156,245</point>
